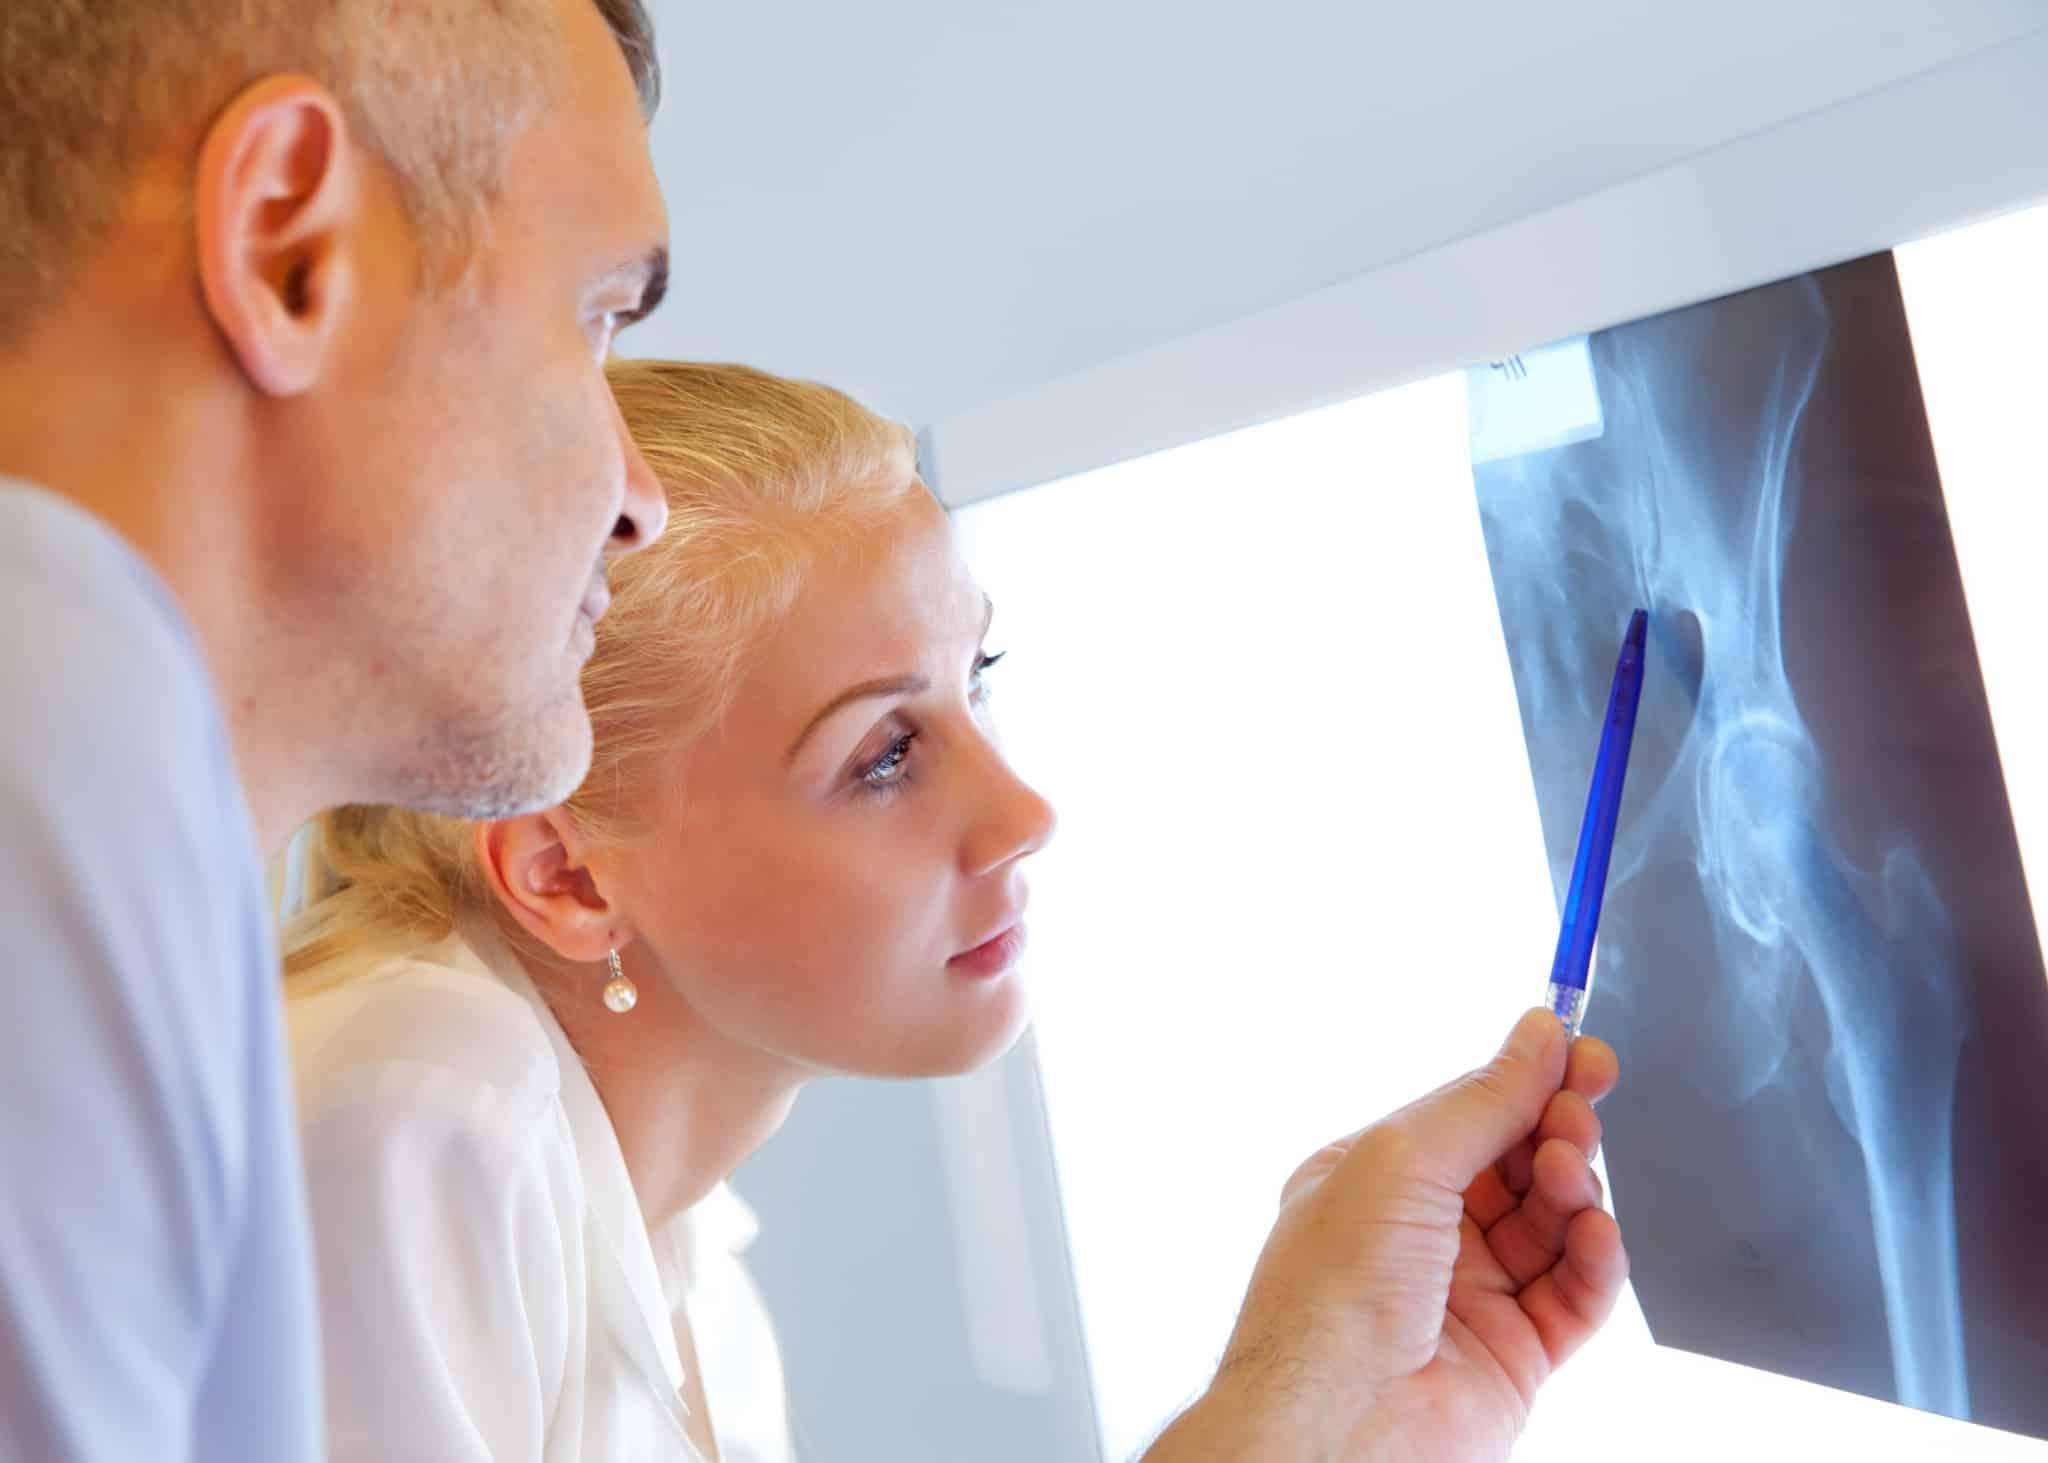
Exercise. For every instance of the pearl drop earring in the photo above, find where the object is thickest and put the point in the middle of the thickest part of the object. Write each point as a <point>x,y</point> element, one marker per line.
<point>620,994</point>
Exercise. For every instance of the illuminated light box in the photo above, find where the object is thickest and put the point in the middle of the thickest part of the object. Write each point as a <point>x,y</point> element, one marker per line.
<point>1304,870</point>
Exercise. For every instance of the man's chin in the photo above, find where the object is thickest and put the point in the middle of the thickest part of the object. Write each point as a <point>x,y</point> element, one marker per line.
<point>524,766</point>
<point>549,768</point>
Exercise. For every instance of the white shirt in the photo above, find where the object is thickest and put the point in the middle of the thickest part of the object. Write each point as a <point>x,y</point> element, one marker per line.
<point>156,1297</point>
<point>490,1290</point>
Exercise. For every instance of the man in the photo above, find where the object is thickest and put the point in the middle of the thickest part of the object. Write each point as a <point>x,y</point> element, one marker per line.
<point>313,471</point>
<point>307,474</point>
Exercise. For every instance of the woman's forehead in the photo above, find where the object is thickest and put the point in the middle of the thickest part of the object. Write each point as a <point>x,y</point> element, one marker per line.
<point>883,607</point>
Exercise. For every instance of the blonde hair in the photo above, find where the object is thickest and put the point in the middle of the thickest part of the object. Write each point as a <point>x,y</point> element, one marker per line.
<point>436,88</point>
<point>764,476</point>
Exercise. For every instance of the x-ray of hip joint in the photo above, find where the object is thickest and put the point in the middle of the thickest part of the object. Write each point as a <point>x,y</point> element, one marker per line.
<point>1818,960</point>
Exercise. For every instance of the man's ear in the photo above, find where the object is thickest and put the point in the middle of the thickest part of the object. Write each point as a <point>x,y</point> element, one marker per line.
<point>278,194</point>
<point>535,865</point>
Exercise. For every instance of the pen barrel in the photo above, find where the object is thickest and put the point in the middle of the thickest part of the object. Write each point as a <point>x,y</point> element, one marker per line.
<point>1580,928</point>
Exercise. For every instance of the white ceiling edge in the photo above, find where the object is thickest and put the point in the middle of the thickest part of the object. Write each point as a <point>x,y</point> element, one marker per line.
<point>1937,150</point>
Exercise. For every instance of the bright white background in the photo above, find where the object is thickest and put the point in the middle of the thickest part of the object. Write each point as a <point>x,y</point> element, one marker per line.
<point>1299,878</point>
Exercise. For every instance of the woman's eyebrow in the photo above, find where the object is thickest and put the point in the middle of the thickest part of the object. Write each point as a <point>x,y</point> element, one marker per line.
<point>866,690</point>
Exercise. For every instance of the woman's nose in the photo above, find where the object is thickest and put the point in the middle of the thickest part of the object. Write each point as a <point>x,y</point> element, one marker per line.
<point>1016,822</point>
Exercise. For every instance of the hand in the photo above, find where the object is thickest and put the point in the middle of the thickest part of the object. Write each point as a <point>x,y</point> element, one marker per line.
<point>1425,1274</point>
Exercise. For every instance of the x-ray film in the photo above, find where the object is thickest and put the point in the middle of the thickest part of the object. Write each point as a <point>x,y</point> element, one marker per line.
<point>1829,1152</point>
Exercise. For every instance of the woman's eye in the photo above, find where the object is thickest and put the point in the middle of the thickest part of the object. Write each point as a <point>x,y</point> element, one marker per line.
<point>891,767</point>
<point>982,664</point>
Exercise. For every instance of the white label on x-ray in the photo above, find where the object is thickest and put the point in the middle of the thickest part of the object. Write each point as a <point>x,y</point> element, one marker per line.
<point>1533,401</point>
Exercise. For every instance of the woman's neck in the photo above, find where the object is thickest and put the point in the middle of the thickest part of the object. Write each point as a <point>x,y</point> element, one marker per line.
<point>688,1105</point>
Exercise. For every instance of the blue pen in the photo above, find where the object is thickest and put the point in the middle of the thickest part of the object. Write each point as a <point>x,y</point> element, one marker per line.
<point>1567,993</point>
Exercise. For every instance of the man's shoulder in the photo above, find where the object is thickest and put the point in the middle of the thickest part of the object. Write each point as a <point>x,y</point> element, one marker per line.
<point>109,697</point>
<point>127,856</point>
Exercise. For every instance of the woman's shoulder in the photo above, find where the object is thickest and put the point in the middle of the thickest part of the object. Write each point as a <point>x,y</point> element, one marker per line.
<point>435,1032</point>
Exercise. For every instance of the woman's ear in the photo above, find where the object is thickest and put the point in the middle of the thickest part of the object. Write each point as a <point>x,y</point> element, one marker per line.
<point>278,200</point>
<point>536,866</point>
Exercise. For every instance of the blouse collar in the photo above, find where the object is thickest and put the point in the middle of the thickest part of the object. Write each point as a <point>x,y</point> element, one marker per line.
<point>635,1298</point>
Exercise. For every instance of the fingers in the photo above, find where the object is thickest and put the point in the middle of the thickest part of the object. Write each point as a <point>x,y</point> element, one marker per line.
<point>1568,1304</point>
<point>1569,1117</point>
<point>1448,1133</point>
<point>1491,1197</point>
<point>1592,1069</point>
<point>1513,1167</point>
<point>1458,1131</point>
<point>1530,1237</point>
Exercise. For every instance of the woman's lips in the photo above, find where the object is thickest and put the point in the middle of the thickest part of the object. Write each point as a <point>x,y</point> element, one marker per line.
<point>992,957</point>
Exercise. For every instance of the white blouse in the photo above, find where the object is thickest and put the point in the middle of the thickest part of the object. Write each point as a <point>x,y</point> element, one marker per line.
<point>488,1287</point>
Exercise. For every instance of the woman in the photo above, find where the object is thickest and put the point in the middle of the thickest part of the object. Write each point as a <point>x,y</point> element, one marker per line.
<point>529,1052</point>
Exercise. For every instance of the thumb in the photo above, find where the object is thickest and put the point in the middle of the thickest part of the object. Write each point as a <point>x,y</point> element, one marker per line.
<point>1461,1128</point>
